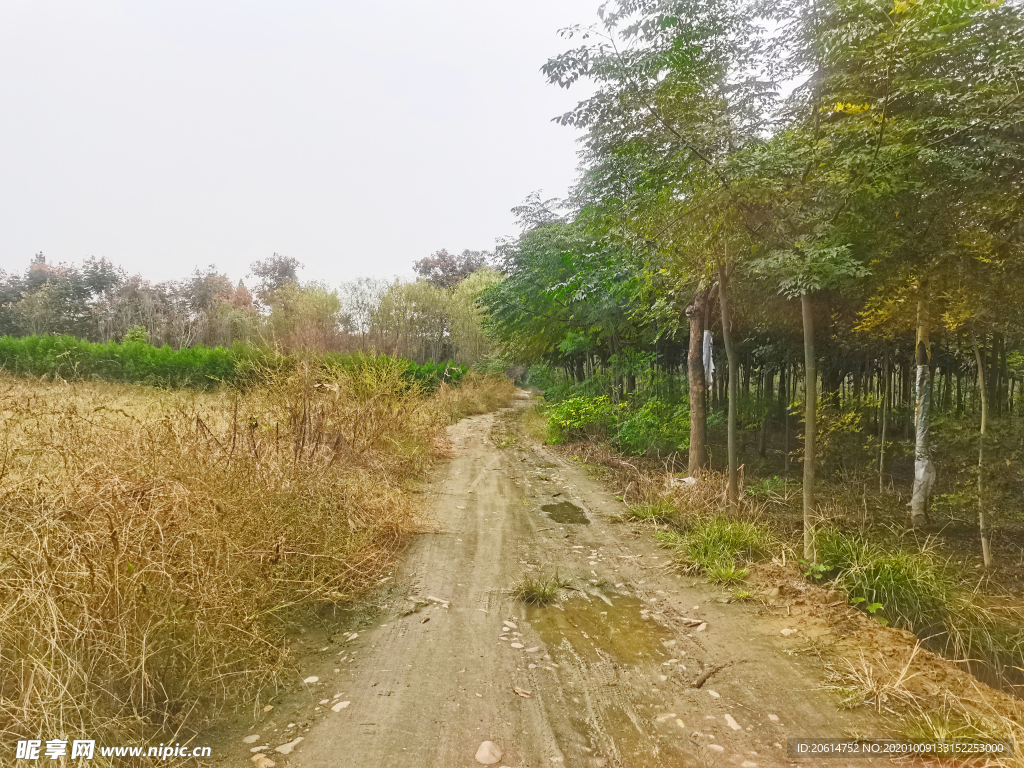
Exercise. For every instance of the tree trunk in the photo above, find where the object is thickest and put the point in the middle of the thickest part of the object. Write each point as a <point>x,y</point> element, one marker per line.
<point>885,424</point>
<point>810,425</point>
<point>698,453</point>
<point>986,551</point>
<point>786,380</point>
<point>734,386</point>
<point>924,470</point>
<point>906,407</point>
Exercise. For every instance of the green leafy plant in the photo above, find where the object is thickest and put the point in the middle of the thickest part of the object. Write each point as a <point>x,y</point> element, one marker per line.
<point>871,608</point>
<point>579,418</point>
<point>655,427</point>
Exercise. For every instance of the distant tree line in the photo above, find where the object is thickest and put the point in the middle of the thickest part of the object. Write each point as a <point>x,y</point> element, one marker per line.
<point>435,318</point>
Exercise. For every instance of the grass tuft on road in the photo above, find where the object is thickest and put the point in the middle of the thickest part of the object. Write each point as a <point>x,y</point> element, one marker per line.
<point>539,590</point>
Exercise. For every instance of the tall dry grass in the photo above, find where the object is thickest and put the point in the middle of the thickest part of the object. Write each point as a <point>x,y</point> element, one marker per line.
<point>153,544</point>
<point>477,394</point>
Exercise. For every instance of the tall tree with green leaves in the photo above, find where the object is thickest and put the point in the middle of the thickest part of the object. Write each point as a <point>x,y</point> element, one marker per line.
<point>677,93</point>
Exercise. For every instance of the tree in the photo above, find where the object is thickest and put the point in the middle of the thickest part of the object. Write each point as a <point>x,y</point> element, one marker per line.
<point>469,342</point>
<point>676,96</point>
<point>445,270</point>
<point>273,275</point>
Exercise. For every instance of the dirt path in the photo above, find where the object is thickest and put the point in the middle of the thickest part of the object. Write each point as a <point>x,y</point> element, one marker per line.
<point>608,672</point>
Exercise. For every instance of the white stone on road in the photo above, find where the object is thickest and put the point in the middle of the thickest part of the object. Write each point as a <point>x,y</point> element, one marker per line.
<point>731,722</point>
<point>488,753</point>
<point>340,706</point>
<point>287,749</point>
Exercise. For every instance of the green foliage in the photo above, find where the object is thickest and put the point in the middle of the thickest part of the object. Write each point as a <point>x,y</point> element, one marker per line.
<point>203,368</point>
<point>655,427</point>
<point>579,418</point>
<point>769,488</point>
<point>841,441</point>
<point>659,510</point>
<point>136,334</point>
<point>133,361</point>
<point>915,590</point>
<point>726,573</point>
<point>430,375</point>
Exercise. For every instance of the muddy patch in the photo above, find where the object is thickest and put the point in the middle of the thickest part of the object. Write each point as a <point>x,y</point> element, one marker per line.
<point>607,622</point>
<point>566,512</point>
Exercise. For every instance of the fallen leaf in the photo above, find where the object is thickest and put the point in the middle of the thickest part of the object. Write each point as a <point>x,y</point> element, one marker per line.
<point>521,692</point>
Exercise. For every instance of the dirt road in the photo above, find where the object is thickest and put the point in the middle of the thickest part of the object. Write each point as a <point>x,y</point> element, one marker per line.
<point>605,678</point>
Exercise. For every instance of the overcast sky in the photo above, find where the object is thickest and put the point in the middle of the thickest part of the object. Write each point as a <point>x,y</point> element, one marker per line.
<point>354,136</point>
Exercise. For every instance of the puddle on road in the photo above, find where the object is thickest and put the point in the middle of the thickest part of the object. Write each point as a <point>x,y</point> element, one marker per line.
<point>566,512</point>
<point>591,625</point>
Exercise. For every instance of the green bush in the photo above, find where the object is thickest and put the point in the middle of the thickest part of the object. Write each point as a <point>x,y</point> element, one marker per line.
<point>654,428</point>
<point>579,418</point>
<point>430,375</point>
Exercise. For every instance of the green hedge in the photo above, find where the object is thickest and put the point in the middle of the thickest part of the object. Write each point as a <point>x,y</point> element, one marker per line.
<point>138,362</point>
<point>133,361</point>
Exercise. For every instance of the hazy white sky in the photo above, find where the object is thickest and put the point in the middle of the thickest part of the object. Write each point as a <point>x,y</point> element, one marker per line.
<point>354,136</point>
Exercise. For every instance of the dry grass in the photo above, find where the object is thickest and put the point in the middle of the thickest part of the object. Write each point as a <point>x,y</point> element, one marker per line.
<point>153,544</point>
<point>888,687</point>
<point>476,394</point>
<point>879,684</point>
<point>535,422</point>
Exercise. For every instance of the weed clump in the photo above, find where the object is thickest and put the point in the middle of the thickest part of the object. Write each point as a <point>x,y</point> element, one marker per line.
<point>915,590</point>
<point>478,393</point>
<point>659,510</point>
<point>912,587</point>
<point>716,545</point>
<point>539,590</point>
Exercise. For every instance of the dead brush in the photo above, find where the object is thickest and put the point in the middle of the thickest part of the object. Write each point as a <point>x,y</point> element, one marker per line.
<point>476,394</point>
<point>153,544</point>
<point>875,683</point>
